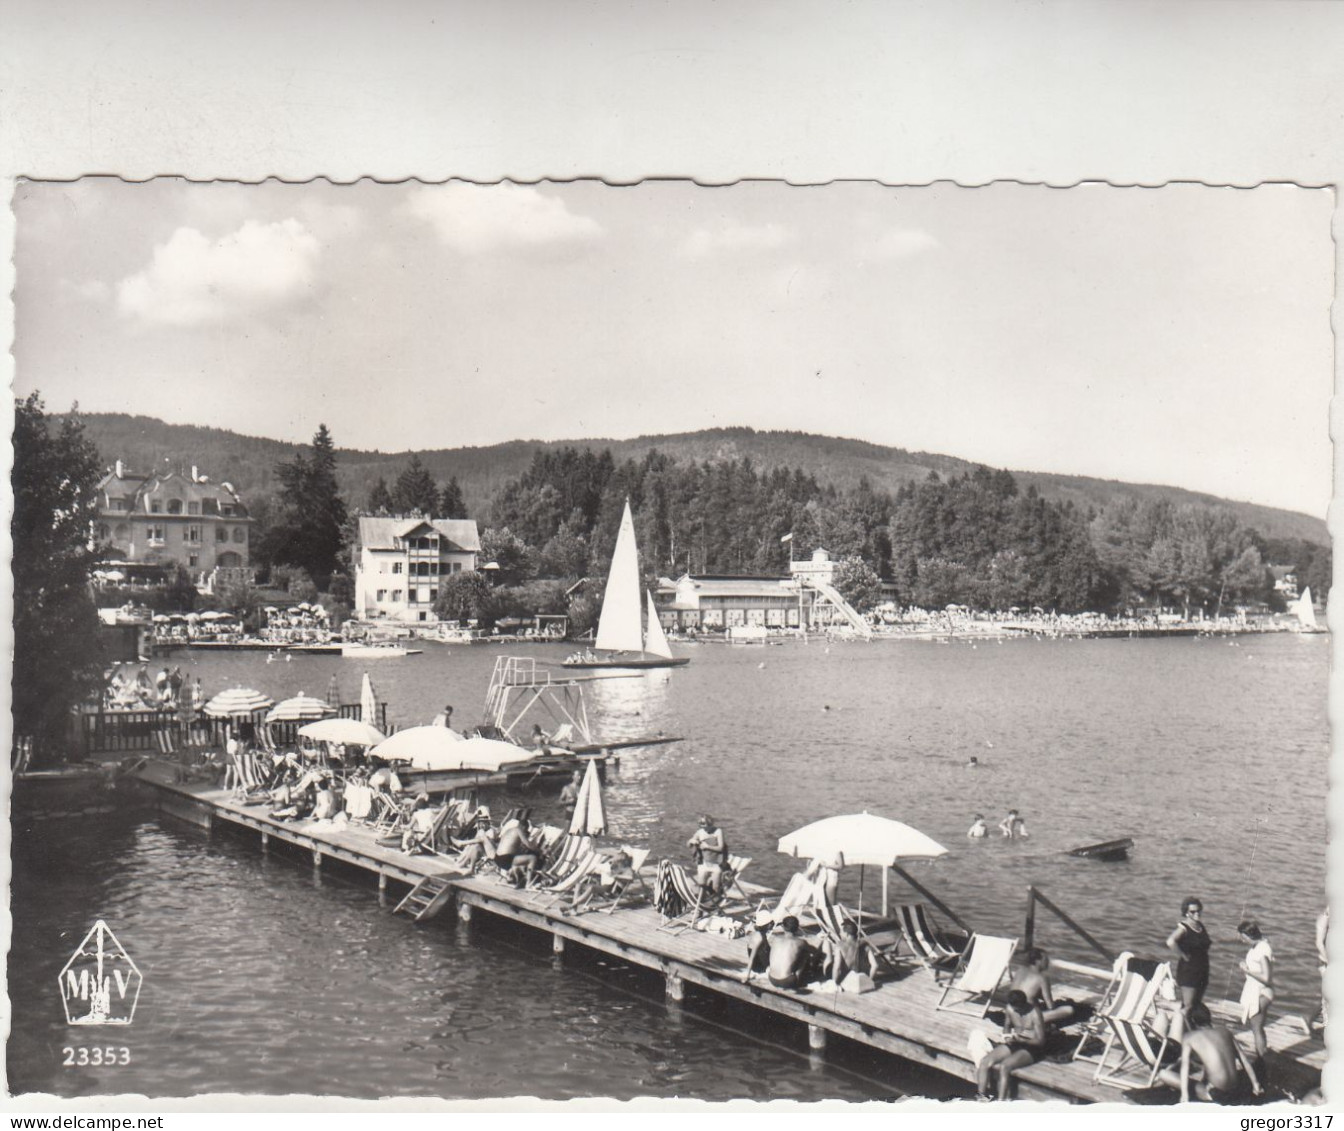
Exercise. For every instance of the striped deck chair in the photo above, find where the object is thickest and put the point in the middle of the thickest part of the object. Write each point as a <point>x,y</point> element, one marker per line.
<point>1130,995</point>
<point>248,777</point>
<point>978,974</point>
<point>389,816</point>
<point>1142,1055</point>
<point>572,849</point>
<point>586,861</point>
<point>166,739</point>
<point>831,917</point>
<point>678,898</point>
<point>923,942</point>
<point>266,739</point>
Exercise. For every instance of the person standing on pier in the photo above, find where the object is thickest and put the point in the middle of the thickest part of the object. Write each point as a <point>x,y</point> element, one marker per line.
<point>711,854</point>
<point>569,796</point>
<point>1190,943</point>
<point>1258,992</point>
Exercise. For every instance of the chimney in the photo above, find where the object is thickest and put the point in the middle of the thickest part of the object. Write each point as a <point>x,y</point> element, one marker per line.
<point>120,469</point>
<point>194,479</point>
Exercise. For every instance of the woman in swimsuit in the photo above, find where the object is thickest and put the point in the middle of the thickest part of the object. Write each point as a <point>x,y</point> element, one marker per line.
<point>1258,991</point>
<point>1190,942</point>
<point>1021,1043</point>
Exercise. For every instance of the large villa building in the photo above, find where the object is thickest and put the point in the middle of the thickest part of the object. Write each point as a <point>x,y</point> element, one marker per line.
<point>169,518</point>
<point>399,563</point>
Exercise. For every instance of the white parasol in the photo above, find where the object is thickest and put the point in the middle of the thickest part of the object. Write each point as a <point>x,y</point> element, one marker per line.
<point>438,748</point>
<point>861,838</point>
<point>368,702</point>
<point>590,817</point>
<point>349,732</point>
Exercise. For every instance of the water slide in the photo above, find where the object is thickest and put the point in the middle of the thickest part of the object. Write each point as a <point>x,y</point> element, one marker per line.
<point>833,598</point>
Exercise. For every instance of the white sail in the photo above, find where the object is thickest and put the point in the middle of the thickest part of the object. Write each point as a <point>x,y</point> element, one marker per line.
<point>1306,612</point>
<point>619,628</point>
<point>655,640</point>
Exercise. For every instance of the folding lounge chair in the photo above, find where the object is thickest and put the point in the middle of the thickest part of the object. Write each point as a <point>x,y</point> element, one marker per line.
<point>1129,997</point>
<point>679,899</point>
<point>572,849</point>
<point>638,858</point>
<point>922,940</point>
<point>585,863</point>
<point>978,974</point>
<point>166,741</point>
<point>1142,1055</point>
<point>732,873</point>
<point>388,814</point>
<point>247,776</point>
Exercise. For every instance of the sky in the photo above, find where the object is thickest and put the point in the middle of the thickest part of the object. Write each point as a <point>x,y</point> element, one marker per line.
<point>1176,335</point>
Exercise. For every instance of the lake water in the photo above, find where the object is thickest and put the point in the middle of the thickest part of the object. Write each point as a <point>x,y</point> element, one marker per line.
<point>260,977</point>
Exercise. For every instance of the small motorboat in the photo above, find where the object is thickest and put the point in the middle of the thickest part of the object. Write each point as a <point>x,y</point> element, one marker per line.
<point>1107,850</point>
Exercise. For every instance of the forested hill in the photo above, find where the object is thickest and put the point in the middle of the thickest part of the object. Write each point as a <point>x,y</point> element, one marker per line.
<point>248,462</point>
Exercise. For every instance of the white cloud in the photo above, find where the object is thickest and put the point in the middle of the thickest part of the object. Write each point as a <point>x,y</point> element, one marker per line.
<point>734,237</point>
<point>193,279</point>
<point>474,219</point>
<point>897,243</point>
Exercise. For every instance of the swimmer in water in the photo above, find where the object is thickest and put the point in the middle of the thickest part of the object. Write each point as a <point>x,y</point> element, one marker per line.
<point>978,828</point>
<point>974,763</point>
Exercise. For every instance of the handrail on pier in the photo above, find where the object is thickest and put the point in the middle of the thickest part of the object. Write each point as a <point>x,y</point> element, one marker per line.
<point>1034,897</point>
<point>938,903</point>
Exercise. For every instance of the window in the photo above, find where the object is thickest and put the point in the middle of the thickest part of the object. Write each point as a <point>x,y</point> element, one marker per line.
<point>226,509</point>
<point>382,594</point>
<point>433,594</point>
<point>424,616</point>
<point>396,595</point>
<point>457,567</point>
<point>104,532</point>
<point>193,508</point>
<point>396,567</point>
<point>117,504</point>
<point>155,506</point>
<point>194,534</point>
<point>210,506</point>
<point>239,534</point>
<point>155,534</point>
<point>193,560</point>
<point>174,506</point>
<point>410,596</point>
<point>221,533</point>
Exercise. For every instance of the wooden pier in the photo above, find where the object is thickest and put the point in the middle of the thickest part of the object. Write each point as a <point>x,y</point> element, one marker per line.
<point>899,1017</point>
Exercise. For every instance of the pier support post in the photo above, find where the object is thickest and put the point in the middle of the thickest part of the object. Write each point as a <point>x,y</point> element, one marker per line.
<point>463,912</point>
<point>816,1038</point>
<point>676,988</point>
<point>317,858</point>
<point>557,945</point>
<point>265,841</point>
<point>382,883</point>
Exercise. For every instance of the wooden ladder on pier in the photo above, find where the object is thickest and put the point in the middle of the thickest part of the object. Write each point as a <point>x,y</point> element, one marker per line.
<point>424,901</point>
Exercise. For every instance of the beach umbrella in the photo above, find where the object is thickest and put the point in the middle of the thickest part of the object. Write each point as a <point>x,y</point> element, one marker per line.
<point>333,692</point>
<point>349,732</point>
<point>438,748</point>
<point>862,839</point>
<point>160,619</point>
<point>237,701</point>
<point>298,708</point>
<point>368,702</point>
<point>590,817</point>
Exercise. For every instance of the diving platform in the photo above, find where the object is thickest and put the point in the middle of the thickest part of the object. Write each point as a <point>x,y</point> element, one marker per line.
<point>899,1017</point>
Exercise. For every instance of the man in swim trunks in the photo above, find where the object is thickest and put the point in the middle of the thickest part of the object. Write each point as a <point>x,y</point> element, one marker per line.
<point>1217,1079</point>
<point>790,955</point>
<point>711,854</point>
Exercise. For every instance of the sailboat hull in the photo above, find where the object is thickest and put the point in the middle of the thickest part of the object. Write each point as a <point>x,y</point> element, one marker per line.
<point>634,662</point>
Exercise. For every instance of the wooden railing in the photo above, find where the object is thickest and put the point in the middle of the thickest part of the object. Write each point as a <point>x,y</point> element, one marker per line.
<point>112,732</point>
<point>1029,933</point>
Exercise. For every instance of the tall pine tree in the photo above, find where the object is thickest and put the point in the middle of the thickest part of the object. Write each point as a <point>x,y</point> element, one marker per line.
<point>308,530</point>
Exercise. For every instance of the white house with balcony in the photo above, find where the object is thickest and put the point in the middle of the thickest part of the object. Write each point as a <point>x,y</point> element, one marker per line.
<point>401,562</point>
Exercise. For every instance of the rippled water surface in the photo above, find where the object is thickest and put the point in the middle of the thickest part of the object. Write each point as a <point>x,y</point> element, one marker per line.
<point>260,977</point>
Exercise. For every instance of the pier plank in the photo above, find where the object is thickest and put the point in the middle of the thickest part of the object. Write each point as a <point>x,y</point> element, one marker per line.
<point>900,1017</point>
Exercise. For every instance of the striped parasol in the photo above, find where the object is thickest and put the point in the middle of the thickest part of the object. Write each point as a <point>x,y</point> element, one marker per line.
<point>237,701</point>
<point>299,708</point>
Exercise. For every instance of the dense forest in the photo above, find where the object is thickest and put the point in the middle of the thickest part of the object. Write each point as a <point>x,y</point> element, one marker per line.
<point>954,533</point>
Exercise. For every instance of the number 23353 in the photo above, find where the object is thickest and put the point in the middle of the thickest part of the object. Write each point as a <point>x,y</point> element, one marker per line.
<point>95,1057</point>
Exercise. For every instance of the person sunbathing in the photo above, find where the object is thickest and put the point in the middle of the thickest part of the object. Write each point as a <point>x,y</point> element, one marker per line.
<point>608,879</point>
<point>1021,1043</point>
<point>324,803</point>
<point>516,855</point>
<point>477,843</point>
<point>758,946</point>
<point>851,953</point>
<point>420,826</point>
<point>1034,982</point>
<point>791,956</point>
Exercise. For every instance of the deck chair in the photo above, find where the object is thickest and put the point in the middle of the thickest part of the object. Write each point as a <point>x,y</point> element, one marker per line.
<point>388,813</point>
<point>422,834</point>
<point>923,942</point>
<point>1129,996</point>
<point>572,849</point>
<point>732,872</point>
<point>1142,1055</point>
<point>638,858</point>
<point>586,861</point>
<point>248,776</point>
<point>678,898</point>
<point>979,971</point>
<point>166,741</point>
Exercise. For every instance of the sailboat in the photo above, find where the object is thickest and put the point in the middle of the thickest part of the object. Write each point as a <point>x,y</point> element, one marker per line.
<point>621,637</point>
<point>1305,612</point>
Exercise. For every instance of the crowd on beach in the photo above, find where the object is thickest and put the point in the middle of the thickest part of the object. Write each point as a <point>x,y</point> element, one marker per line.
<point>123,690</point>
